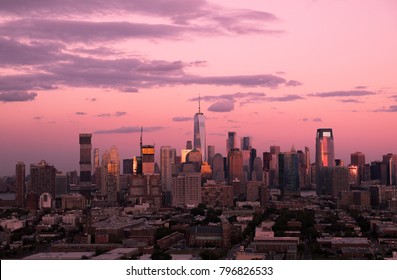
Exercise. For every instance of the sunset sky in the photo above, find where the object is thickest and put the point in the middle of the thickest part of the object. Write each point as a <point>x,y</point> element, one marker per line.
<point>273,70</point>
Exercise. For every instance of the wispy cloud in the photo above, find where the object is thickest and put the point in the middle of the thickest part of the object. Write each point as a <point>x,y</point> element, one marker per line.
<point>81,113</point>
<point>350,100</point>
<point>108,115</point>
<point>128,129</point>
<point>17,96</point>
<point>312,120</point>
<point>286,98</point>
<point>391,109</point>
<point>342,93</point>
<point>182,119</point>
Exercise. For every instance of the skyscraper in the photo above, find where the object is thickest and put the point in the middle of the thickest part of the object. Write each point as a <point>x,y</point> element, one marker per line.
<point>211,154</point>
<point>218,168</point>
<point>20,183</point>
<point>85,158</point>
<point>231,141</point>
<point>110,173</point>
<point>358,159</point>
<point>325,156</point>
<point>235,165</point>
<point>199,136</point>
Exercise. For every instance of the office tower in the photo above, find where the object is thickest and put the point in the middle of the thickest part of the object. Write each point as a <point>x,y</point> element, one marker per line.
<point>110,175</point>
<point>167,161</point>
<point>289,180</point>
<point>199,136</point>
<point>127,166</point>
<point>42,178</point>
<point>257,173</point>
<point>235,165</point>
<point>325,156</point>
<point>211,153</point>
<point>218,168</point>
<point>147,159</point>
<point>231,141</point>
<point>358,159</point>
<point>246,143</point>
<point>186,189</point>
<point>252,158</point>
<point>275,150</point>
<point>20,184</point>
<point>189,145</point>
<point>73,178</point>
<point>391,169</point>
<point>85,159</point>
<point>61,184</point>
<point>339,162</point>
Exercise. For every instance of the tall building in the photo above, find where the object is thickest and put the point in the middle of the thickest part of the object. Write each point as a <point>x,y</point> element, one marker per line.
<point>391,168</point>
<point>110,175</point>
<point>20,183</point>
<point>289,179</point>
<point>218,168</point>
<point>257,173</point>
<point>167,160</point>
<point>42,178</point>
<point>147,159</point>
<point>231,141</point>
<point>211,154</point>
<point>325,156</point>
<point>145,189</point>
<point>235,165</point>
<point>358,159</point>
<point>85,158</point>
<point>199,135</point>
<point>189,145</point>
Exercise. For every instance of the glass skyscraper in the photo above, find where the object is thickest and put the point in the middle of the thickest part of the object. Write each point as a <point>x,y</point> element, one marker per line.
<point>199,140</point>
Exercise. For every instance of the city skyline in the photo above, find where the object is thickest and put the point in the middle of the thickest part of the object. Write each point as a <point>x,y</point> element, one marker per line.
<point>275,71</point>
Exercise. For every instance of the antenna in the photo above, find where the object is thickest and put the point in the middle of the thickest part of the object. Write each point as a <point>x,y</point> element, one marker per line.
<point>199,104</point>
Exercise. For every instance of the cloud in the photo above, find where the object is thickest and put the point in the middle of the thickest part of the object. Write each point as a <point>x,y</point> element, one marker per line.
<point>222,106</point>
<point>231,97</point>
<point>182,119</point>
<point>286,98</point>
<point>293,83</point>
<point>350,100</point>
<point>128,129</point>
<point>17,96</point>
<point>81,113</point>
<point>312,120</point>
<point>342,93</point>
<point>360,87</point>
<point>391,109</point>
<point>37,118</point>
<point>108,115</point>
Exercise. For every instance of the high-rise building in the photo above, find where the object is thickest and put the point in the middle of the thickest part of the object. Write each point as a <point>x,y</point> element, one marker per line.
<point>325,156</point>
<point>42,178</point>
<point>391,168</point>
<point>289,172</point>
<point>211,154</point>
<point>189,145</point>
<point>85,158</point>
<point>218,168</point>
<point>147,159</point>
<point>231,141</point>
<point>145,189</point>
<point>167,160</point>
<point>333,181</point>
<point>257,173</point>
<point>358,159</point>
<point>127,166</point>
<point>199,135</point>
<point>20,183</point>
<point>110,175</point>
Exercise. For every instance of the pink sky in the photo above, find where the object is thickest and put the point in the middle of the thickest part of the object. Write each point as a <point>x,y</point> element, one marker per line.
<point>273,70</point>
